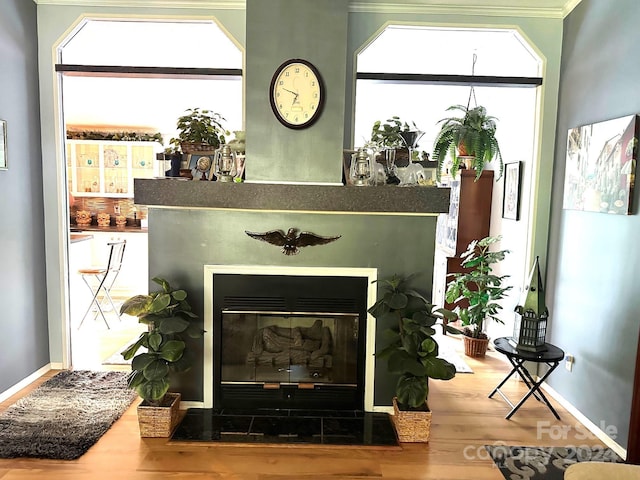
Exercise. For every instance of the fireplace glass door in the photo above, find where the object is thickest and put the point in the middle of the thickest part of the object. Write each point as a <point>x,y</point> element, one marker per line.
<point>280,348</point>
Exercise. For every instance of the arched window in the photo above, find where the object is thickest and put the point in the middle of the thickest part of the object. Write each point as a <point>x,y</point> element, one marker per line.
<point>416,73</point>
<point>146,73</point>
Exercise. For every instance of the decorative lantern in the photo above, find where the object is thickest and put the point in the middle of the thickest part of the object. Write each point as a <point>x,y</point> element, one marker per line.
<point>225,163</point>
<point>530,326</point>
<point>361,169</point>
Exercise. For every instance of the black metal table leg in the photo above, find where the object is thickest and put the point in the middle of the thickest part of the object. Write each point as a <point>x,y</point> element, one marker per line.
<point>551,357</point>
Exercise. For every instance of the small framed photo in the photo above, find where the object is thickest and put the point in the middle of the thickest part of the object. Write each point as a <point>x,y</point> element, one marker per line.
<point>200,166</point>
<point>3,145</point>
<point>511,199</point>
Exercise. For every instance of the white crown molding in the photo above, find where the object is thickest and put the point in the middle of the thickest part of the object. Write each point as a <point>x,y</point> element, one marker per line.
<point>456,9</point>
<point>202,4</point>
<point>569,6</point>
<point>428,7</point>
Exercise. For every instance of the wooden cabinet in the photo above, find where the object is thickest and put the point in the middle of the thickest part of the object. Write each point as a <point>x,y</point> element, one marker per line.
<point>107,168</point>
<point>468,219</point>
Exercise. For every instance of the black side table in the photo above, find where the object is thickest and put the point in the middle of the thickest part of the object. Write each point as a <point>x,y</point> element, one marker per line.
<point>552,356</point>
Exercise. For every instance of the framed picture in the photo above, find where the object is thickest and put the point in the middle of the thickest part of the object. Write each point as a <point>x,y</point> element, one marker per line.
<point>3,145</point>
<point>511,199</point>
<point>601,165</point>
<point>200,166</point>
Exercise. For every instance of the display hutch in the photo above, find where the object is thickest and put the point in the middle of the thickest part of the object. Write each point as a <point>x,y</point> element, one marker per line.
<point>107,168</point>
<point>468,219</point>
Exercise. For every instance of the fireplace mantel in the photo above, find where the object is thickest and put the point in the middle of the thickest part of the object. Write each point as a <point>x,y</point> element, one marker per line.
<point>382,200</point>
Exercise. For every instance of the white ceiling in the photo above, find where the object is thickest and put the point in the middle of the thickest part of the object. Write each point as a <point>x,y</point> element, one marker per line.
<point>533,8</point>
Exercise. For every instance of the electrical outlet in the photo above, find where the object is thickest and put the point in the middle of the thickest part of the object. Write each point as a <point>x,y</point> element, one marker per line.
<point>568,362</point>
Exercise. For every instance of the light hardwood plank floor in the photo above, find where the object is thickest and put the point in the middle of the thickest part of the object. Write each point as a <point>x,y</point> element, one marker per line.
<point>464,420</point>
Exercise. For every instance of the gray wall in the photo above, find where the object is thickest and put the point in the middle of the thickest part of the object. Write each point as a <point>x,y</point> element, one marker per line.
<point>24,340</point>
<point>594,260</point>
<point>280,30</point>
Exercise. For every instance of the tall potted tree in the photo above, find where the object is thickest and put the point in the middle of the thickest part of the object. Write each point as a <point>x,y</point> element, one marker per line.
<point>168,316</point>
<point>412,352</point>
<point>469,139</point>
<point>479,289</point>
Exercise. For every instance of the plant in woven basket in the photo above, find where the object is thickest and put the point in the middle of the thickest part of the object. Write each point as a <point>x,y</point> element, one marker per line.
<point>469,135</point>
<point>411,350</point>
<point>169,318</point>
<point>199,130</point>
<point>479,286</point>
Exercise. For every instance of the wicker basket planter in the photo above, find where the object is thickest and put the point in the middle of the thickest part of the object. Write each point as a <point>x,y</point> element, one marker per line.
<point>411,426</point>
<point>159,421</point>
<point>197,148</point>
<point>475,347</point>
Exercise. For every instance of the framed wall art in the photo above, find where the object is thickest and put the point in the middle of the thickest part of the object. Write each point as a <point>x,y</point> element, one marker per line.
<point>601,165</point>
<point>511,199</point>
<point>3,145</point>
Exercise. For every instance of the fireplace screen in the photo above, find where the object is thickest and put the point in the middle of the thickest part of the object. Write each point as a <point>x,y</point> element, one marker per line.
<point>289,348</point>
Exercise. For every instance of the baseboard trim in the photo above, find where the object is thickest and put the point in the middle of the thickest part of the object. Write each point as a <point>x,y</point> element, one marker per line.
<point>26,382</point>
<point>588,424</point>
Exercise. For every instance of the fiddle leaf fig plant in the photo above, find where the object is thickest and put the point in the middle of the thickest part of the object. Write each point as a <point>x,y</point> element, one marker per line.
<point>411,349</point>
<point>168,315</point>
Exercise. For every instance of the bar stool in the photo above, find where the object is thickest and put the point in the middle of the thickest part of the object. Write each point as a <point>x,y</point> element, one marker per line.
<point>104,278</point>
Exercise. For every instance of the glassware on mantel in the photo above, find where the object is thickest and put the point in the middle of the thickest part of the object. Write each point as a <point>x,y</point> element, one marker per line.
<point>410,140</point>
<point>392,169</point>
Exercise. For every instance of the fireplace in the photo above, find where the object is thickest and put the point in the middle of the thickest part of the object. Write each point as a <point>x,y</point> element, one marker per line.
<point>288,338</point>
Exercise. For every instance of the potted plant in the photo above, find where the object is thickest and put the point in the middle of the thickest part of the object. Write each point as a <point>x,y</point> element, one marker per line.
<point>479,291</point>
<point>200,131</point>
<point>468,137</point>
<point>168,315</point>
<point>395,134</point>
<point>412,352</point>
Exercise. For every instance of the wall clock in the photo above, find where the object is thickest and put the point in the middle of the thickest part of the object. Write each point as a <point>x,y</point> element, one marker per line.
<point>297,93</point>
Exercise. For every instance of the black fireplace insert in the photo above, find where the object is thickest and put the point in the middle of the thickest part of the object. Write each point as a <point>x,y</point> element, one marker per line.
<point>289,342</point>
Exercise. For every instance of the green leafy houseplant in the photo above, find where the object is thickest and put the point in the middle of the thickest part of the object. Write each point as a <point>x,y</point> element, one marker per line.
<point>411,350</point>
<point>478,286</point>
<point>199,129</point>
<point>472,134</point>
<point>388,134</point>
<point>238,143</point>
<point>168,315</point>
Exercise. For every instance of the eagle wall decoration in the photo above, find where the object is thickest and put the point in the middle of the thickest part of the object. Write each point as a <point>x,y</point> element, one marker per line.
<point>291,241</point>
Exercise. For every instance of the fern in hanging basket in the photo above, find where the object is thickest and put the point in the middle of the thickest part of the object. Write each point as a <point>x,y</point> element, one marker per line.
<point>472,134</point>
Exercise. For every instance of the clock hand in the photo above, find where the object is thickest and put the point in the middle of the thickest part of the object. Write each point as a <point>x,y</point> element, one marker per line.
<point>290,91</point>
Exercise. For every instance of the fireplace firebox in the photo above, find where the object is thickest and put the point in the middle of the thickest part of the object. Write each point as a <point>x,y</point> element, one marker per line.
<point>289,342</point>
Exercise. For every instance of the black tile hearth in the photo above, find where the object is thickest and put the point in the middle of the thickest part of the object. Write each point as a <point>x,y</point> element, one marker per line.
<point>315,427</point>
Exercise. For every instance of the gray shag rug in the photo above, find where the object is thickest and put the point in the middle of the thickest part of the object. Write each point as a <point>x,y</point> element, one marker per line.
<point>65,416</point>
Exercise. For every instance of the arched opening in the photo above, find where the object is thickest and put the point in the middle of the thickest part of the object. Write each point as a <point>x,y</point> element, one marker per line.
<point>417,72</point>
<point>123,84</point>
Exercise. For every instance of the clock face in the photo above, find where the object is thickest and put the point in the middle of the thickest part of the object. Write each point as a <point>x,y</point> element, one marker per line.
<point>297,93</point>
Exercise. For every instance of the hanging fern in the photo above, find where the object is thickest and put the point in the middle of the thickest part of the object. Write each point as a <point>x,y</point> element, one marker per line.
<point>475,131</point>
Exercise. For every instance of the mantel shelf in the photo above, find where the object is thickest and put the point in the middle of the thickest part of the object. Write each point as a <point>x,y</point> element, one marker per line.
<point>381,200</point>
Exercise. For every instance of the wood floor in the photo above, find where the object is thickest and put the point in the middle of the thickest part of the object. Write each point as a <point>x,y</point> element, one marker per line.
<point>464,420</point>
